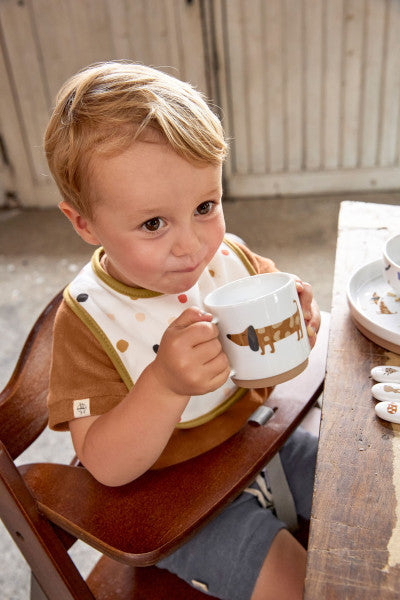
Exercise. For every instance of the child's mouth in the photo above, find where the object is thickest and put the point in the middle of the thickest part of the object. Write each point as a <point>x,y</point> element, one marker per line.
<point>188,269</point>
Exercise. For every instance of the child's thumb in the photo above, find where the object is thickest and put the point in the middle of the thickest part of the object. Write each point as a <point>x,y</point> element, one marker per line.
<point>191,315</point>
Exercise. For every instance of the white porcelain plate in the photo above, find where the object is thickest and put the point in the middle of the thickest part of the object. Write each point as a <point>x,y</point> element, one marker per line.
<point>374,306</point>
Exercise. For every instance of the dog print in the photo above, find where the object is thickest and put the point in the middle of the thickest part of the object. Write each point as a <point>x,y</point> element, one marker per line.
<point>270,334</point>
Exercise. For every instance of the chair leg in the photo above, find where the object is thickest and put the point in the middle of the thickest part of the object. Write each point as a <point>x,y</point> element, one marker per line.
<point>36,591</point>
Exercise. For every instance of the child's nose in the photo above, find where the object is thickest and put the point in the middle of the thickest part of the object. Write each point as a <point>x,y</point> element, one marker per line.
<point>186,242</point>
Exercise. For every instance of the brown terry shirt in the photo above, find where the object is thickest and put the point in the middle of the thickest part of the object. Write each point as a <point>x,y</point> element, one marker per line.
<point>81,369</point>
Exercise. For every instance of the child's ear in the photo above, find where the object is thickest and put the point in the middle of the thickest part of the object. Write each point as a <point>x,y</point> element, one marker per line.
<point>82,225</point>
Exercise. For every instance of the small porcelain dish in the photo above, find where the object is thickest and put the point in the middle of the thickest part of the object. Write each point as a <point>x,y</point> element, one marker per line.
<point>389,411</point>
<point>386,373</point>
<point>386,391</point>
<point>374,306</point>
<point>391,262</point>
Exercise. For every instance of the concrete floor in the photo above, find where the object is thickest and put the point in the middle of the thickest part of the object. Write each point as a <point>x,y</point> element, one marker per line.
<point>40,253</point>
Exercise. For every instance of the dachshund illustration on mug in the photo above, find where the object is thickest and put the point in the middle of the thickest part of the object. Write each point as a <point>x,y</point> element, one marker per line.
<point>270,334</point>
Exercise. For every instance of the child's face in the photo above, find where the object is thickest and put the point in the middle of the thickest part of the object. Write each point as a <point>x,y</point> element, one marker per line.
<point>158,216</point>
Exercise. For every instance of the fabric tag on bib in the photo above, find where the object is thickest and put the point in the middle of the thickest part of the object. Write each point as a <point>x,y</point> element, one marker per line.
<point>82,408</point>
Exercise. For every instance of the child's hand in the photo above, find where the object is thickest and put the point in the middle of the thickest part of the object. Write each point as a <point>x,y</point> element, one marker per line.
<point>190,360</point>
<point>310,310</point>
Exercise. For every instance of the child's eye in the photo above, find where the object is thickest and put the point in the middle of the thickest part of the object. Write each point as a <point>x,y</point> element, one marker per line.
<point>204,208</point>
<point>153,224</point>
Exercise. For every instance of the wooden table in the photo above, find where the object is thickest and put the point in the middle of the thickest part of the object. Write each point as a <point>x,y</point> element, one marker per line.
<point>354,549</point>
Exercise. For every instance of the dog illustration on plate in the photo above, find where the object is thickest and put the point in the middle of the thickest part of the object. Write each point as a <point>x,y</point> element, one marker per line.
<point>270,334</point>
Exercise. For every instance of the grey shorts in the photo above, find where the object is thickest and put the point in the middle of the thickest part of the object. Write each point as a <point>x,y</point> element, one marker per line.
<point>226,556</point>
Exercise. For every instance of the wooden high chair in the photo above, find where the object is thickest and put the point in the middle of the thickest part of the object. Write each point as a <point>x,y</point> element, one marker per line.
<point>47,507</point>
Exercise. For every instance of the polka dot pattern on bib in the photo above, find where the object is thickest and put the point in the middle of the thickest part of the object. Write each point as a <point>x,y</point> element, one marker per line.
<point>122,345</point>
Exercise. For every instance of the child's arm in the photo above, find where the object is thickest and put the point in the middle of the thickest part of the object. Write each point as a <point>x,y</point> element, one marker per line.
<point>123,443</point>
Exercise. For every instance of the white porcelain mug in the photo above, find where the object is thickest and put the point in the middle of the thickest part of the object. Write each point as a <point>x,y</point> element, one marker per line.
<point>391,262</point>
<point>262,329</point>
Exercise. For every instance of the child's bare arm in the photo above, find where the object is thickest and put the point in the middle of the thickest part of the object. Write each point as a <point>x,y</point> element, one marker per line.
<point>120,445</point>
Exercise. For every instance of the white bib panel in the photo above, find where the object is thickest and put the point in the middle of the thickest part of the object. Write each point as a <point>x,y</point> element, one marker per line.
<point>129,322</point>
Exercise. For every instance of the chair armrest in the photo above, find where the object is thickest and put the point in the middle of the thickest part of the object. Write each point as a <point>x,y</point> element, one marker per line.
<point>143,521</point>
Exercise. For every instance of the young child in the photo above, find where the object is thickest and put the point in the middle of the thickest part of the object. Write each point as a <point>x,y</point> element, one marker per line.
<point>138,374</point>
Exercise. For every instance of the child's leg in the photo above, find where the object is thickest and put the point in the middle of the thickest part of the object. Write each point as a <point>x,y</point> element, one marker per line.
<point>283,572</point>
<point>245,553</point>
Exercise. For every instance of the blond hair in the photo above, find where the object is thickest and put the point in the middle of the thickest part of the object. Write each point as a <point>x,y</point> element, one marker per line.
<point>107,106</point>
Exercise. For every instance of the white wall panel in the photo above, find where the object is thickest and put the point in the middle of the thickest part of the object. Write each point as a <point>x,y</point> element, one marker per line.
<point>309,90</point>
<point>43,42</point>
<point>314,94</point>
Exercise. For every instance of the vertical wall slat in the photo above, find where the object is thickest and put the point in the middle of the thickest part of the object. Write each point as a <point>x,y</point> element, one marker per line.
<point>117,12</point>
<point>371,91</point>
<point>391,87</point>
<point>253,47</point>
<point>137,31</point>
<point>332,83</point>
<point>275,99</point>
<point>294,69</point>
<point>159,40</point>
<point>313,83</point>
<point>238,83</point>
<point>223,74</point>
<point>191,57</point>
<point>352,60</point>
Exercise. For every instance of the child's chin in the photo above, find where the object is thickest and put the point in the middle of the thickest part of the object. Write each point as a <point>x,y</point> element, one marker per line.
<point>183,283</point>
<point>180,288</point>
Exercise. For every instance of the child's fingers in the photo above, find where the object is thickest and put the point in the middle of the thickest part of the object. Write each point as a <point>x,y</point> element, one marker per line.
<point>197,334</point>
<point>311,331</point>
<point>314,323</point>
<point>303,287</point>
<point>191,315</point>
<point>209,351</point>
<point>216,371</point>
<point>312,335</point>
<point>220,378</point>
<point>193,325</point>
<point>305,292</point>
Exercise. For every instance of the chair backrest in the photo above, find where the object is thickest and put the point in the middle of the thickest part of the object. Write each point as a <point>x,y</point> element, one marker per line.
<point>23,406</point>
<point>23,416</point>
